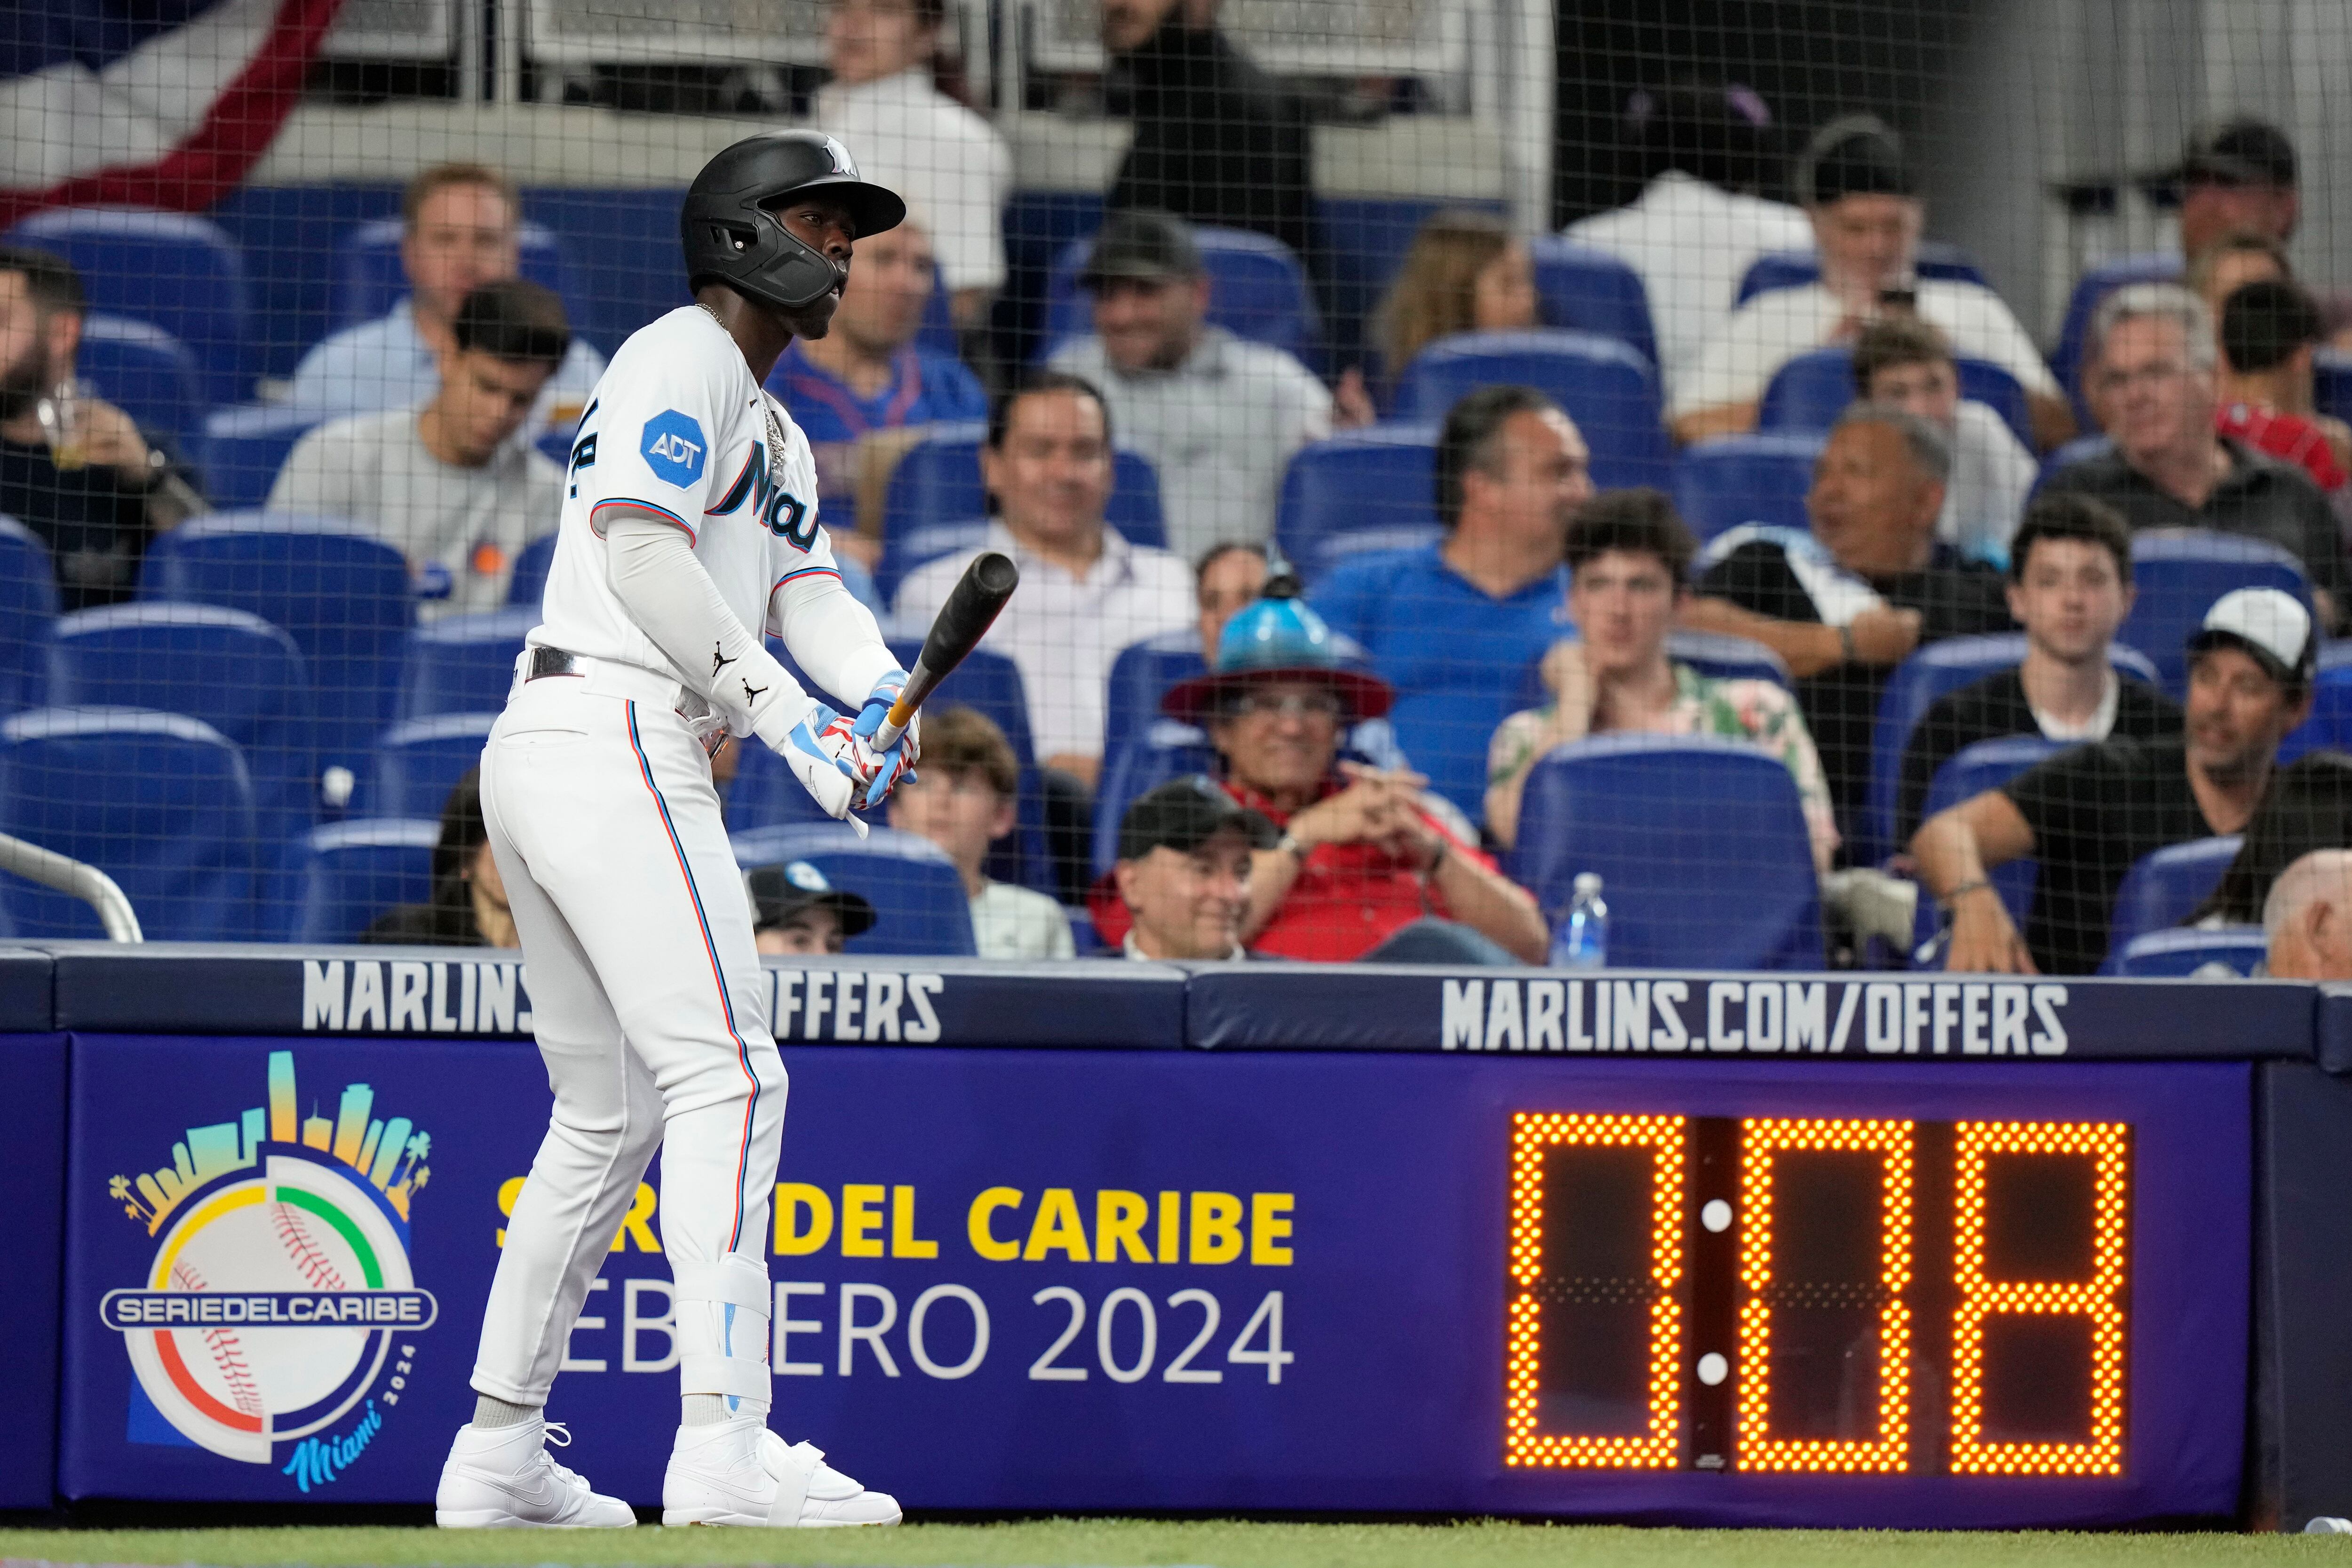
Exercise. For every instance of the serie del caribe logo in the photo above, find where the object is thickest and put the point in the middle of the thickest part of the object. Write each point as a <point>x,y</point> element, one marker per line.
<point>276,1322</point>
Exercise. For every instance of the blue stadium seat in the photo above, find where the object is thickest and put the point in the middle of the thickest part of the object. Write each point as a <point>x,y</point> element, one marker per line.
<point>354,871</point>
<point>160,802</point>
<point>463,664</point>
<point>341,595</point>
<point>148,375</point>
<point>1610,390</point>
<point>2096,283</point>
<point>1793,269</point>
<point>229,670</point>
<point>1733,480</point>
<point>2331,382</point>
<point>1258,290</point>
<point>2079,449</point>
<point>1712,654</point>
<point>179,271</point>
<point>1917,683</point>
<point>2330,724</point>
<point>1590,291</point>
<point>28,602</point>
<point>369,281</point>
<point>2165,888</point>
<point>1651,814</point>
<point>1986,766</point>
<point>1141,675</point>
<point>528,586</point>
<point>917,893</point>
<point>416,764</point>
<point>2180,572</point>
<point>1358,493</point>
<point>243,449</point>
<point>2179,954</point>
<point>1809,390</point>
<point>1165,751</point>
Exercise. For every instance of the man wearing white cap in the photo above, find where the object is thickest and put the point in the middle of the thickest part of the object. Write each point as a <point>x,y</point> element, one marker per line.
<point>2088,813</point>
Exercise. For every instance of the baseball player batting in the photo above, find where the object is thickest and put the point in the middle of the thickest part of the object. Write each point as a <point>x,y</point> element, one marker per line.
<point>689,524</point>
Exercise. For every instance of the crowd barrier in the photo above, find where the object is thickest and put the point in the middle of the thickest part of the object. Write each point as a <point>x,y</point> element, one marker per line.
<point>1697,1247</point>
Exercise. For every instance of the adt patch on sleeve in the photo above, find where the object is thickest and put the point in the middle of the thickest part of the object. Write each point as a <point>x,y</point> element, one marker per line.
<point>674,447</point>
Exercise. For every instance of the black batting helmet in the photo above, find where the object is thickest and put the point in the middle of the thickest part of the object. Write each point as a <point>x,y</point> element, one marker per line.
<point>734,237</point>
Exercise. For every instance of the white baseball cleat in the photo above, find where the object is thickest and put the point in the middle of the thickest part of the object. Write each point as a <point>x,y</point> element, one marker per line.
<point>739,1472</point>
<point>502,1478</point>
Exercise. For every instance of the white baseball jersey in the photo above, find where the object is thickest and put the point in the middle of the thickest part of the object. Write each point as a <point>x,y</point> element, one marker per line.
<point>678,427</point>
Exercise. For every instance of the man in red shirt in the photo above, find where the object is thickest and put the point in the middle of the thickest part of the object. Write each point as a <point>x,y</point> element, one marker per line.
<point>1367,867</point>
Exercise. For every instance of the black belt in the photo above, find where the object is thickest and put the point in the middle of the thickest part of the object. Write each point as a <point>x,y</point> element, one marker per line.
<point>546,662</point>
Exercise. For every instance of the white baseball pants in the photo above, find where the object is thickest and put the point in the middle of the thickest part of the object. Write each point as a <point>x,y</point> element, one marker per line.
<point>645,994</point>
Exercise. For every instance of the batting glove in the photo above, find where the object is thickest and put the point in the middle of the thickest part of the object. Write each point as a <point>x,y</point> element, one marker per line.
<point>877,704</point>
<point>840,771</point>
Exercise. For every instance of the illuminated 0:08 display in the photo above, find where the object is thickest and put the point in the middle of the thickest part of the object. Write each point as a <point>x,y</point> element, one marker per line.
<point>1814,1295</point>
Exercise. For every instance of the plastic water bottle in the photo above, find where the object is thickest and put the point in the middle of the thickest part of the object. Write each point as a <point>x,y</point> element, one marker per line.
<point>1584,939</point>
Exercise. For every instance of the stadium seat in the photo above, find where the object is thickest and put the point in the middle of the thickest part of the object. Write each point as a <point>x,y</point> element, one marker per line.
<point>1933,672</point>
<point>369,281</point>
<point>2330,724</point>
<point>1165,751</point>
<point>528,586</point>
<point>1986,766</point>
<point>354,871</point>
<point>1258,290</point>
<point>917,894</point>
<point>417,762</point>
<point>463,664</point>
<point>160,802</point>
<point>2184,954</point>
<point>148,375</point>
<point>1587,289</point>
<point>243,449</point>
<point>28,602</point>
<point>1652,815</point>
<point>2081,449</point>
<point>1793,269</point>
<point>176,270</point>
<point>2096,283</point>
<point>1609,389</point>
<point>2331,382</point>
<point>1808,393</point>
<point>2180,572</point>
<point>229,670</point>
<point>1712,654</point>
<point>341,595</point>
<point>2165,888</point>
<point>1355,493</point>
<point>1141,675</point>
<point>1733,480</point>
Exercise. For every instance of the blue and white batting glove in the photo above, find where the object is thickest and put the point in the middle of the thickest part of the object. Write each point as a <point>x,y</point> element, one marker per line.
<point>828,760</point>
<point>877,704</point>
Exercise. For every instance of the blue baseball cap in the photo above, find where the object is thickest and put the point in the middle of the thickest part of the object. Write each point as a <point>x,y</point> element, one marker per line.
<point>1278,638</point>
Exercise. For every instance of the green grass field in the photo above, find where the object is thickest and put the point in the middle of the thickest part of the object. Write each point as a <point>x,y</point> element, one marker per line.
<point>1134,1543</point>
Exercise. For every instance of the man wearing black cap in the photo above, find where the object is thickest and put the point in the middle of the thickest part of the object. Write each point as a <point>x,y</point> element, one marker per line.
<point>1183,870</point>
<point>1861,194</point>
<point>797,911</point>
<point>2088,815</point>
<point>1218,416</point>
<point>2235,176</point>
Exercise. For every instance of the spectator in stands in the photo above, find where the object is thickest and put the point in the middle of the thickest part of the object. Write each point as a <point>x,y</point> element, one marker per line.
<point>2307,808</point>
<point>73,470</point>
<point>1183,870</point>
<point>2070,586</point>
<point>1086,591</point>
<point>1861,196</point>
<point>1905,363</point>
<point>794,910</point>
<point>468,907</point>
<point>1630,557</point>
<point>963,800</point>
<point>2308,919</point>
<point>2151,362</point>
<point>898,99</point>
<point>1467,272</point>
<point>1849,601</point>
<point>1699,222</point>
<point>2236,177</point>
<point>1366,868</point>
<point>455,486</point>
<point>1229,577</point>
<point>1454,625</point>
<point>863,392</point>
<point>2269,330</point>
<point>2232,262</point>
<point>1216,140</point>
<point>461,227</point>
<point>2087,815</point>
<point>1218,416</point>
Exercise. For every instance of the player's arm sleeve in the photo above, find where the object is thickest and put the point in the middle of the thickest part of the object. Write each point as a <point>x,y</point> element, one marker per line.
<point>667,592</point>
<point>832,637</point>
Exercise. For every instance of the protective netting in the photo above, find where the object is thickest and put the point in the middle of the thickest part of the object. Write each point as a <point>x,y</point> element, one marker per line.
<point>1795,462</point>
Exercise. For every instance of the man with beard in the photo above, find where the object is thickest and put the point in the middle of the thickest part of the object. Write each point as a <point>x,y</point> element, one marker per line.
<point>73,470</point>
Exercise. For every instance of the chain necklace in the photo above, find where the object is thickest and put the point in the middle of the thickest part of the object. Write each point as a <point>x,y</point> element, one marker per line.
<point>767,413</point>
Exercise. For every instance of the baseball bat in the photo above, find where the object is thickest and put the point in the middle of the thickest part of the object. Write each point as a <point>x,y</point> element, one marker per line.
<point>972,606</point>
